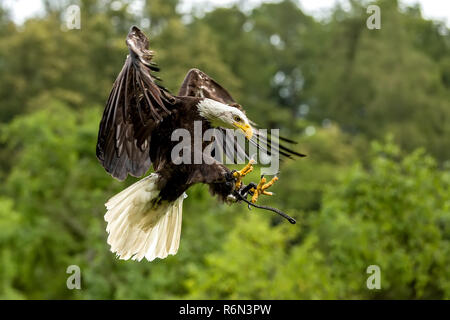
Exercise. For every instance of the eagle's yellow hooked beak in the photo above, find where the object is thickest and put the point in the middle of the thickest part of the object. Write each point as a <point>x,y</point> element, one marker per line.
<point>246,128</point>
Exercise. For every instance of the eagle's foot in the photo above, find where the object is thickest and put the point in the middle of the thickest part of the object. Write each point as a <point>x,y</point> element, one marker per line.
<point>261,188</point>
<point>238,175</point>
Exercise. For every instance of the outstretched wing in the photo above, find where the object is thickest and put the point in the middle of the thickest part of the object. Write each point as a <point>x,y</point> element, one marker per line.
<point>135,107</point>
<point>199,84</point>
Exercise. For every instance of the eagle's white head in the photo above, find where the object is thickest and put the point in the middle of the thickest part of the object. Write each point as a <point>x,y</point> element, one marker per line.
<point>224,116</point>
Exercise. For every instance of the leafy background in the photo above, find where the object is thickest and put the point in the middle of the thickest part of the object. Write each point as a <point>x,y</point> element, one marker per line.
<point>371,108</point>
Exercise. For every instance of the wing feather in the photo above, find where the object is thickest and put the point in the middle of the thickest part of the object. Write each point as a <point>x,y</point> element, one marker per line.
<point>199,84</point>
<point>135,107</point>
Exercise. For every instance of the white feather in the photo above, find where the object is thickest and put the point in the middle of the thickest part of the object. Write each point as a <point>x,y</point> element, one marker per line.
<point>219,114</point>
<point>138,229</point>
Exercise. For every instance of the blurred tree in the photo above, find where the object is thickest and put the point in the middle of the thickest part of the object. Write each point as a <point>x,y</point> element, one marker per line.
<point>389,80</point>
<point>266,51</point>
<point>394,215</point>
<point>159,12</point>
<point>332,84</point>
<point>330,153</point>
<point>179,48</point>
<point>57,218</point>
<point>10,224</point>
<point>256,262</point>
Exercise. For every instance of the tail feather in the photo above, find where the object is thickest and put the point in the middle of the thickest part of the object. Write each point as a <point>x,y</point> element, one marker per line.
<point>139,229</point>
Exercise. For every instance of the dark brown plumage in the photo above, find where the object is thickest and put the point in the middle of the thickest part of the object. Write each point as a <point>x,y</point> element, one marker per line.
<point>135,133</point>
<point>140,116</point>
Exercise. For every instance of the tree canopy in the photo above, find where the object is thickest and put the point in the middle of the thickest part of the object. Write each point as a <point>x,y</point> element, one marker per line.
<point>370,108</point>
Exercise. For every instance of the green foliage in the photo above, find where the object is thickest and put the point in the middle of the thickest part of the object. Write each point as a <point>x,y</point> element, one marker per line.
<point>258,262</point>
<point>10,224</point>
<point>387,80</point>
<point>396,215</point>
<point>59,191</point>
<point>332,85</point>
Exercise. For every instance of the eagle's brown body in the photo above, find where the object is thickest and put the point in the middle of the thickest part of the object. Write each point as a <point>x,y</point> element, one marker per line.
<point>175,179</point>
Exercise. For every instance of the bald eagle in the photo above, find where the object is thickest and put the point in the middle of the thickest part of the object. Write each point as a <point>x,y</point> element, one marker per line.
<point>135,132</point>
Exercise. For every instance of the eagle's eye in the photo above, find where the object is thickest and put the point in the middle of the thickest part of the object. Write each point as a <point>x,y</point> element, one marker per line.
<point>237,118</point>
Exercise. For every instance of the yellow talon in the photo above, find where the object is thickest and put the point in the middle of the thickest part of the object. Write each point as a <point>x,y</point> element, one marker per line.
<point>242,173</point>
<point>261,187</point>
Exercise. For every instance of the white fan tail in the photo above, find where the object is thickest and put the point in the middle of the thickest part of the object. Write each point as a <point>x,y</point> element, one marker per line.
<point>138,228</point>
